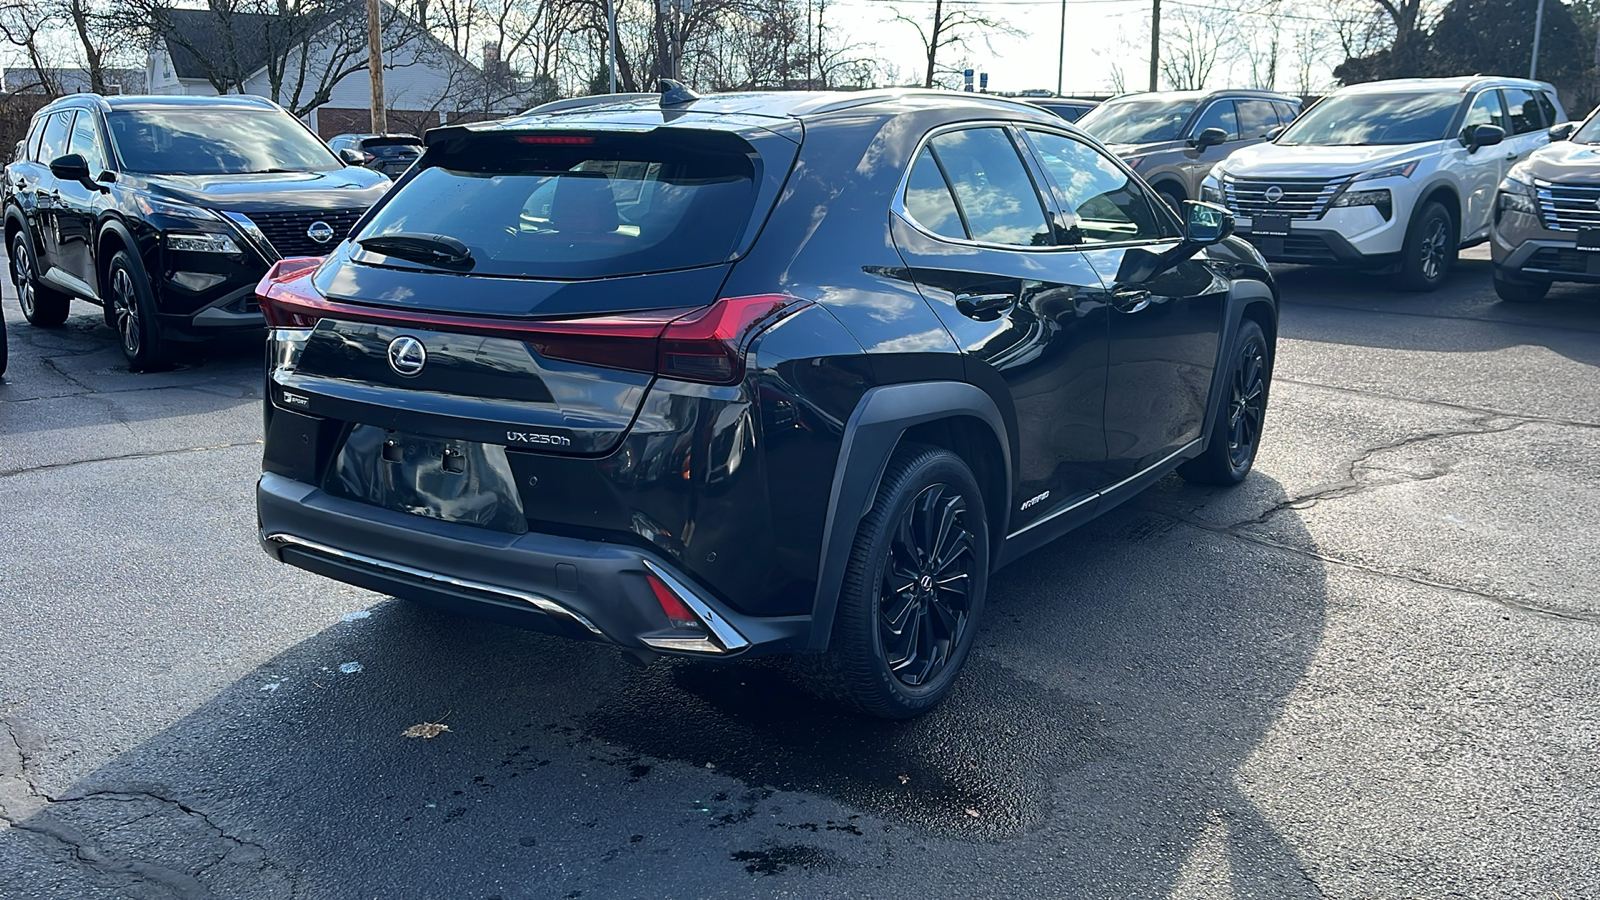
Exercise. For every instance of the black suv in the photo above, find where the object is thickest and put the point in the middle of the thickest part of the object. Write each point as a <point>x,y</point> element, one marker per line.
<point>754,373</point>
<point>166,211</point>
<point>391,154</point>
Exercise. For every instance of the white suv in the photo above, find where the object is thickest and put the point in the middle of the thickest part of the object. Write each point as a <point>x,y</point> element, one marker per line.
<point>1391,175</point>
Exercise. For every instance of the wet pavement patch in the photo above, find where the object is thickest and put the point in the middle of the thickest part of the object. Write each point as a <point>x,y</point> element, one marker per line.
<point>981,766</point>
<point>775,860</point>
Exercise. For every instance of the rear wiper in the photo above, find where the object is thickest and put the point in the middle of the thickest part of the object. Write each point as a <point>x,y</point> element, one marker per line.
<point>429,249</point>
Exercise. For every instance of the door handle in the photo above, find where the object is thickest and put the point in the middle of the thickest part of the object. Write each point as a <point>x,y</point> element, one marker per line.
<point>1130,300</point>
<point>1510,156</point>
<point>984,307</point>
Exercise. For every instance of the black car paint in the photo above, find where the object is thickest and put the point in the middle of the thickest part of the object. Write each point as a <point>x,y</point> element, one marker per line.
<point>74,237</point>
<point>753,491</point>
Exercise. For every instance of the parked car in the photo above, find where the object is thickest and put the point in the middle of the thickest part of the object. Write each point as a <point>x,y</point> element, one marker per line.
<point>1173,138</point>
<point>1070,108</point>
<point>1547,216</point>
<point>1391,176</point>
<point>639,375</point>
<point>391,154</point>
<point>166,211</point>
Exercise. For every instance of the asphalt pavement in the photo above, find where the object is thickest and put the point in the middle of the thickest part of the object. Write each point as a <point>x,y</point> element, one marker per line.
<point>1369,672</point>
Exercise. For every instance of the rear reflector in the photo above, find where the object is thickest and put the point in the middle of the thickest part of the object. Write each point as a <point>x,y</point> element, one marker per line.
<point>677,612</point>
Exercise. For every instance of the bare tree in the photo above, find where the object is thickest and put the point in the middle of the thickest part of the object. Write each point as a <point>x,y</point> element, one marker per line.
<point>1266,46</point>
<point>1195,43</point>
<point>951,27</point>
<point>57,31</point>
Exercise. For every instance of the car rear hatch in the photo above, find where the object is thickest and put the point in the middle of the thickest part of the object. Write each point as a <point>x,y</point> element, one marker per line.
<point>526,285</point>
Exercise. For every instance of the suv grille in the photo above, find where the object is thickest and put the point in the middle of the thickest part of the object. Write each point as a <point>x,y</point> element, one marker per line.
<point>287,230</point>
<point>1303,198</point>
<point>1568,207</point>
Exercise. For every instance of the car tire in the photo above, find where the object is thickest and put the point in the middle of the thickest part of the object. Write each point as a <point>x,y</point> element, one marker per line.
<point>1173,197</point>
<point>895,652</point>
<point>1430,249</point>
<point>133,311</point>
<point>1520,291</point>
<point>5,351</point>
<point>42,306</point>
<point>1241,411</point>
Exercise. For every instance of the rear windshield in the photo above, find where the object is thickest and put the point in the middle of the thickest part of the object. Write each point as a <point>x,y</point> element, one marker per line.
<point>580,206</point>
<point>1361,119</point>
<point>393,148</point>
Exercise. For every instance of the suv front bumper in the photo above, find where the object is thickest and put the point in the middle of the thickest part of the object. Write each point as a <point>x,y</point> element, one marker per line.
<point>589,590</point>
<point>1524,250</point>
<point>1358,237</point>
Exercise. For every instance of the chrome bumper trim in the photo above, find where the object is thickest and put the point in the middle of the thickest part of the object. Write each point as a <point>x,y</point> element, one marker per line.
<point>729,637</point>
<point>544,604</point>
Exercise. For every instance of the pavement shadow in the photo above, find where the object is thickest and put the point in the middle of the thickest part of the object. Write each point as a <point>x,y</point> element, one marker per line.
<point>1463,316</point>
<point>1094,748</point>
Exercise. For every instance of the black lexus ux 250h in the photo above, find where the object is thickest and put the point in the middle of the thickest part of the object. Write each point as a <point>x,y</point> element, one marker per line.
<point>759,373</point>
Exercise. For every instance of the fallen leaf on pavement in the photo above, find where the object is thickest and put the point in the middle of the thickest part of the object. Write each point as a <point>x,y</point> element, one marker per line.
<point>426,730</point>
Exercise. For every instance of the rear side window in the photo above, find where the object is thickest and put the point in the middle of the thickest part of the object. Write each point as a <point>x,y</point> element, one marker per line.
<point>928,199</point>
<point>30,150</point>
<point>1525,113</point>
<point>997,199</point>
<point>1256,118</point>
<point>54,144</point>
<point>581,206</point>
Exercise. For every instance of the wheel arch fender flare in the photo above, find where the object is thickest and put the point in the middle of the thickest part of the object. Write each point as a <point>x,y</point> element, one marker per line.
<point>1247,299</point>
<point>1444,191</point>
<point>874,430</point>
<point>16,222</point>
<point>114,228</point>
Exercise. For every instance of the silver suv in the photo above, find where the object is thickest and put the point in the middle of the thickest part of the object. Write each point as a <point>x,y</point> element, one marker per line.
<point>1173,138</point>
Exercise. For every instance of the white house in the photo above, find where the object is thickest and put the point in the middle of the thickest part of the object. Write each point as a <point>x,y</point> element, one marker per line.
<point>425,82</point>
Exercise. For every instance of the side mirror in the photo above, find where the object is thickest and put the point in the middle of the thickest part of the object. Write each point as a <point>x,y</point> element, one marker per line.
<point>1563,131</point>
<point>72,167</point>
<point>1273,134</point>
<point>1209,137</point>
<point>1480,136</point>
<point>1205,223</point>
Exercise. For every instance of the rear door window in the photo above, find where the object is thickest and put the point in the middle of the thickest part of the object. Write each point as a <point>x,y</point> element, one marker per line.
<point>1551,116</point>
<point>581,206</point>
<point>1526,116</point>
<point>997,199</point>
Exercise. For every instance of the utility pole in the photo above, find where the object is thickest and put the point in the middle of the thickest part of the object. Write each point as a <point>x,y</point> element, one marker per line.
<point>380,115</point>
<point>611,35</point>
<point>1538,26</point>
<point>1061,49</point>
<point>1155,41</point>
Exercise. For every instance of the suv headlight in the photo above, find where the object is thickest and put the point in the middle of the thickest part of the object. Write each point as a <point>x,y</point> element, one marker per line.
<point>201,243</point>
<point>1211,188</point>
<point>1517,193</point>
<point>1381,199</point>
<point>1398,170</point>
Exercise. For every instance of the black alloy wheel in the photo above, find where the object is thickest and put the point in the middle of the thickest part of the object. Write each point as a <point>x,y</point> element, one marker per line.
<point>922,601</point>
<point>1430,249</point>
<point>41,306</point>
<point>913,590</point>
<point>133,315</point>
<point>1235,439</point>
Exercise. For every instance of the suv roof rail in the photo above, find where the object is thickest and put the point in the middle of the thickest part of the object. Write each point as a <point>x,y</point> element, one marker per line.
<point>829,103</point>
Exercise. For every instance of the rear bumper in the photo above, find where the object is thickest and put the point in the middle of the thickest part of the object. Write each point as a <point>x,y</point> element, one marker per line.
<point>588,590</point>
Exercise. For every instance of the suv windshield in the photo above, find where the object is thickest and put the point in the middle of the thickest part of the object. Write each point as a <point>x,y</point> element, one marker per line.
<point>1589,133</point>
<point>214,141</point>
<point>1355,120</point>
<point>1136,121</point>
<point>579,206</point>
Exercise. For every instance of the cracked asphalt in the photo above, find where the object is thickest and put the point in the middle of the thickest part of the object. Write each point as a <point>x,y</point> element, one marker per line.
<point>1369,672</point>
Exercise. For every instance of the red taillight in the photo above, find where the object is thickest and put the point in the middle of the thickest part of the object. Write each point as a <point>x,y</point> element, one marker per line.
<point>677,612</point>
<point>710,345</point>
<point>284,291</point>
<point>567,139</point>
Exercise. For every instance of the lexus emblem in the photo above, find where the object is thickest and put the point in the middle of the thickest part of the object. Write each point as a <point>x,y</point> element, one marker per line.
<point>321,232</point>
<point>1274,194</point>
<point>407,356</point>
<point>926,582</point>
